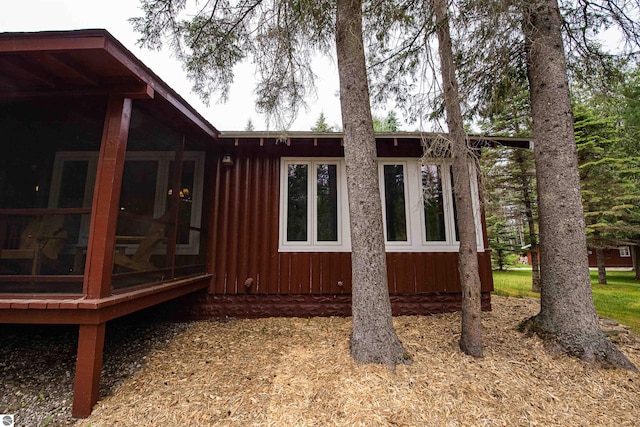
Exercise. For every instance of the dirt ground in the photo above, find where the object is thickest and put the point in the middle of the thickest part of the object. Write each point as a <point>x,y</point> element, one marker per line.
<point>297,372</point>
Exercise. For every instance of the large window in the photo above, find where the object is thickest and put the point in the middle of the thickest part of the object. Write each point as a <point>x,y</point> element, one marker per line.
<point>313,205</point>
<point>418,206</point>
<point>435,216</point>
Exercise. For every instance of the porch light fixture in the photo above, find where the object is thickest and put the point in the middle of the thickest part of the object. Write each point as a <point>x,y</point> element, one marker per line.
<point>227,160</point>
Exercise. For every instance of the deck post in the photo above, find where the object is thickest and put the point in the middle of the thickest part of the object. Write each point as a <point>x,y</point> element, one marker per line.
<point>86,387</point>
<point>99,261</point>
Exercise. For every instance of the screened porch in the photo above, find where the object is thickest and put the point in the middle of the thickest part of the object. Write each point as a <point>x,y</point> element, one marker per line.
<point>47,185</point>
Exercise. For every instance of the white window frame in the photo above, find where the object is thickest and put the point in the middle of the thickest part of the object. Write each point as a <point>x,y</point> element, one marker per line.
<point>414,207</point>
<point>400,246</point>
<point>416,232</point>
<point>625,251</point>
<point>449,217</point>
<point>164,159</point>
<point>343,244</point>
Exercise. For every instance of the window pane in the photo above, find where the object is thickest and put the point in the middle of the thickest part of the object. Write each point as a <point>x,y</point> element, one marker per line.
<point>327,203</point>
<point>394,203</point>
<point>297,203</point>
<point>433,203</point>
<point>453,199</point>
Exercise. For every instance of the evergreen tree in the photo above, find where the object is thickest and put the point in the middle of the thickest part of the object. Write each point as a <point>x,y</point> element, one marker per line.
<point>600,181</point>
<point>390,123</point>
<point>606,135</point>
<point>281,36</point>
<point>508,114</point>
<point>321,125</point>
<point>510,204</point>
<point>565,275</point>
<point>471,335</point>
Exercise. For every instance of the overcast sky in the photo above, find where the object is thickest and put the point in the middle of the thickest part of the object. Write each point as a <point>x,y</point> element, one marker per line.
<point>112,15</point>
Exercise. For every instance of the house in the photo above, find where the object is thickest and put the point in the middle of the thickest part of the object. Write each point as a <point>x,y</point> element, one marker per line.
<point>613,257</point>
<point>620,257</point>
<point>116,195</point>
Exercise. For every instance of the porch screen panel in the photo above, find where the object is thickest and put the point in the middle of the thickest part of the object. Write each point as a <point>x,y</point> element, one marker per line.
<point>327,202</point>
<point>186,200</point>
<point>141,232</point>
<point>394,194</point>
<point>297,193</point>
<point>72,195</point>
<point>189,255</point>
<point>433,203</point>
<point>137,196</point>
<point>72,184</point>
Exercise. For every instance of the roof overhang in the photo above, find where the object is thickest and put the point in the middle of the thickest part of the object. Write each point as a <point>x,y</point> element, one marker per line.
<point>395,138</point>
<point>85,62</point>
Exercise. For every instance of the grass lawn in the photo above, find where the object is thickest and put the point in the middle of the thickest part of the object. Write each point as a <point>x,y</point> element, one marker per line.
<point>619,299</point>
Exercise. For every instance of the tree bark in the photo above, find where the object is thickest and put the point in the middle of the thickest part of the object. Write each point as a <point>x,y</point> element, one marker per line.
<point>373,338</point>
<point>567,318</point>
<point>602,268</point>
<point>471,337</point>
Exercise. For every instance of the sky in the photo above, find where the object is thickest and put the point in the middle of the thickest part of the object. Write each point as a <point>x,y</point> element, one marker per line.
<point>112,15</point>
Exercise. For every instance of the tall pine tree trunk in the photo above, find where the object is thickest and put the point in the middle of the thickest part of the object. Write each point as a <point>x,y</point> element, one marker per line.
<point>602,268</point>
<point>567,318</point>
<point>373,338</point>
<point>471,338</point>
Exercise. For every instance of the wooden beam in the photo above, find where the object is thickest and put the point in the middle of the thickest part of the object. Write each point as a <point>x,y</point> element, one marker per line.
<point>106,197</point>
<point>71,67</point>
<point>19,67</point>
<point>139,91</point>
<point>86,386</point>
<point>44,42</point>
<point>135,91</point>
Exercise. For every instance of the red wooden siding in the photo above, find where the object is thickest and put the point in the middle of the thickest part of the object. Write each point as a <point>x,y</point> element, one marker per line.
<point>612,258</point>
<point>245,204</point>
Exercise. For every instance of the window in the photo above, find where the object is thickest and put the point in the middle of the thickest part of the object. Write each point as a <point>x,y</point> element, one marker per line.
<point>312,214</point>
<point>395,202</point>
<point>74,177</point>
<point>625,252</point>
<point>433,201</point>
<point>418,206</point>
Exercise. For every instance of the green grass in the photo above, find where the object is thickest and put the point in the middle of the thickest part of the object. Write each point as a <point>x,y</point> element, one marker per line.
<point>619,299</point>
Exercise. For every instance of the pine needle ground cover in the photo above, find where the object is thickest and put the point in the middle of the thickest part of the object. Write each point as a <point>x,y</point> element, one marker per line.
<point>297,372</point>
<point>619,299</point>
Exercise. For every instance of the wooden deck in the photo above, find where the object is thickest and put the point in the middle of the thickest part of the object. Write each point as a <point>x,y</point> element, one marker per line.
<point>66,309</point>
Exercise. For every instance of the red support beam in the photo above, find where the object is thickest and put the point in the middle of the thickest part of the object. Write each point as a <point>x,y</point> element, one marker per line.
<point>99,264</point>
<point>106,197</point>
<point>88,366</point>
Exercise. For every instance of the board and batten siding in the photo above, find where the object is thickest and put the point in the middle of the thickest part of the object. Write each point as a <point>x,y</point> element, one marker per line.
<point>245,217</point>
